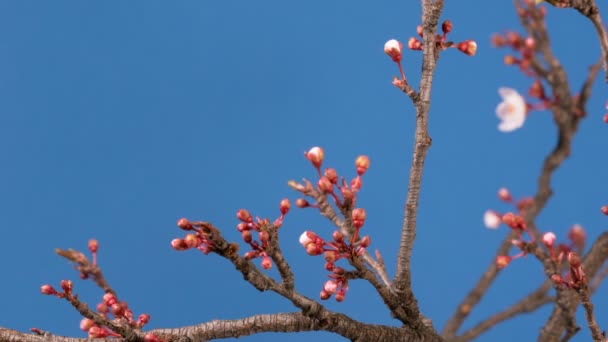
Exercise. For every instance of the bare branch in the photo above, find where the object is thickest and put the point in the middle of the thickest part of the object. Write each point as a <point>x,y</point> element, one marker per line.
<point>528,304</point>
<point>402,283</point>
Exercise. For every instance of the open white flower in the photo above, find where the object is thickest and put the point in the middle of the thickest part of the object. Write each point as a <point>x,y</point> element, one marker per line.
<point>511,111</point>
<point>492,219</point>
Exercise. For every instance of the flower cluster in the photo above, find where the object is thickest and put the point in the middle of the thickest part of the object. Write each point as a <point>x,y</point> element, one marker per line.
<point>393,48</point>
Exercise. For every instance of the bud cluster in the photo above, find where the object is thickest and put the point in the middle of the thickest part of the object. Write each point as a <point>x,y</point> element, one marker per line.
<point>197,238</point>
<point>263,228</point>
<point>330,183</point>
<point>575,278</point>
<point>394,48</point>
<point>334,250</point>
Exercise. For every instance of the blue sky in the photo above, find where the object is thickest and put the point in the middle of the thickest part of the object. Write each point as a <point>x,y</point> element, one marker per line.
<point>117,118</point>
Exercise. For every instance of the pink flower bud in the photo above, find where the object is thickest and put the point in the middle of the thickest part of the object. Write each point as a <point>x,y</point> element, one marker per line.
<point>549,239</point>
<point>313,249</point>
<point>557,279</point>
<point>330,286</point>
<point>93,245</point>
<point>332,175</point>
<point>266,263</point>
<point>284,206</point>
<point>330,256</point>
<point>66,285</point>
<point>502,261</point>
<point>347,194</point>
<point>116,309</point>
<point>143,319</point>
<point>324,295</point>
<point>97,332</point>
<point>264,237</point>
<point>606,118</point>
<point>446,27</point>
<point>86,324</point>
<point>246,235</point>
<point>419,30</point>
<point>241,227</point>
<point>393,49</point>
<point>604,209</point>
<point>365,241</point>
<point>358,215</point>
<point>184,224</point>
<point>178,245</point>
<point>577,235</point>
<point>337,236</point>
<point>573,259</point>
<point>504,195</point>
<point>340,295</point>
<point>315,156</point>
<point>468,47</point>
<point>191,240</point>
<point>414,44</point>
<point>302,203</point>
<point>47,289</point>
<point>356,183</point>
<point>307,237</point>
<point>325,185</point>
<point>109,299</point>
<point>362,164</point>
<point>102,308</point>
<point>250,255</point>
<point>244,216</point>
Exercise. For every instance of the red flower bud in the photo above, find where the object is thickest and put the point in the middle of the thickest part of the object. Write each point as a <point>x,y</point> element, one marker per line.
<point>66,285</point>
<point>47,289</point>
<point>504,195</point>
<point>604,209</point>
<point>365,241</point>
<point>86,324</point>
<point>414,44</point>
<point>284,206</point>
<point>502,261</point>
<point>246,235</point>
<point>446,27</point>
<point>325,184</point>
<point>97,332</point>
<point>468,47</point>
<point>332,175</point>
<point>266,263</point>
<point>358,215</point>
<point>184,224</point>
<point>264,237</point>
<point>337,236</point>
<point>324,295</point>
<point>356,183</point>
<point>302,203</point>
<point>362,164</point>
<point>93,245</point>
<point>244,216</point>
<point>315,156</point>
<point>109,299</point>
<point>191,240</point>
<point>179,245</point>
